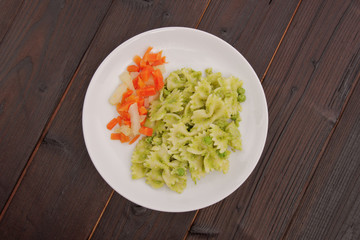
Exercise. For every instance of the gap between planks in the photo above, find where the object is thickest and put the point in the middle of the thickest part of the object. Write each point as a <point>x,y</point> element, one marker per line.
<point>318,159</point>
<point>101,214</point>
<point>261,80</point>
<point>281,40</point>
<point>49,122</point>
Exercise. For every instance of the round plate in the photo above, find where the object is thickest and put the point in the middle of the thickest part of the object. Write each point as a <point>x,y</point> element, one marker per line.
<point>183,47</point>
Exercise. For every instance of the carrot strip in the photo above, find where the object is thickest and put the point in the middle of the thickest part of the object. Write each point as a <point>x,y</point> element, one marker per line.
<point>138,82</point>
<point>124,107</point>
<point>126,94</point>
<point>119,119</point>
<point>137,60</point>
<point>112,123</point>
<point>146,91</point>
<point>134,139</point>
<point>145,73</point>
<point>152,57</point>
<point>132,98</point>
<point>141,83</point>
<point>142,110</point>
<point>158,79</point>
<point>119,136</point>
<point>141,102</point>
<point>146,131</point>
<point>142,63</point>
<point>127,123</point>
<point>145,57</point>
<point>133,68</point>
<point>115,136</point>
<point>124,116</point>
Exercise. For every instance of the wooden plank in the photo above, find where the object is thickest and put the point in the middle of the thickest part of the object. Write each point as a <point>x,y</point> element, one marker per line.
<point>330,208</point>
<point>7,17</point>
<point>306,87</point>
<point>62,194</point>
<point>126,220</point>
<point>38,56</point>
<point>254,28</point>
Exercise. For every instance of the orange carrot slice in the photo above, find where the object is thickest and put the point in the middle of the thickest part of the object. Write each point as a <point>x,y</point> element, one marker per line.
<point>127,123</point>
<point>133,68</point>
<point>141,102</point>
<point>145,57</point>
<point>124,116</point>
<point>119,136</point>
<point>127,94</point>
<point>137,60</point>
<point>124,107</point>
<point>146,131</point>
<point>146,91</point>
<point>134,139</point>
<point>142,110</point>
<point>158,79</point>
<point>112,123</point>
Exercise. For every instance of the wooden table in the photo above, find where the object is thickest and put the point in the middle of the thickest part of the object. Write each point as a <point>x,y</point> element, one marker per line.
<point>307,182</point>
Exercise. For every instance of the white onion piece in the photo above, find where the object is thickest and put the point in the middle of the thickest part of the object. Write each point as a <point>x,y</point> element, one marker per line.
<point>126,78</point>
<point>124,129</point>
<point>117,95</point>
<point>134,118</point>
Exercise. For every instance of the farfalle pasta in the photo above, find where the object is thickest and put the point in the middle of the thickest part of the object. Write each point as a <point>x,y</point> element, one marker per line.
<point>195,122</point>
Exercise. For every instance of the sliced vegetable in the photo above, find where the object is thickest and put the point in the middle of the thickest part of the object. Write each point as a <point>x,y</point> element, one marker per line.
<point>124,116</point>
<point>126,78</point>
<point>137,60</point>
<point>142,110</point>
<point>120,136</point>
<point>134,118</point>
<point>134,139</point>
<point>140,85</point>
<point>124,107</point>
<point>133,68</point>
<point>125,130</point>
<point>116,96</point>
<point>158,79</point>
<point>126,94</point>
<point>112,123</point>
<point>146,91</point>
<point>146,131</point>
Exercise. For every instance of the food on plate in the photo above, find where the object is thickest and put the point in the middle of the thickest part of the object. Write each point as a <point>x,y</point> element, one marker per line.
<point>140,84</point>
<point>194,123</point>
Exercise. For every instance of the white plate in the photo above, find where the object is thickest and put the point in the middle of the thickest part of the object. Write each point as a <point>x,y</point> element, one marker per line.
<point>183,47</point>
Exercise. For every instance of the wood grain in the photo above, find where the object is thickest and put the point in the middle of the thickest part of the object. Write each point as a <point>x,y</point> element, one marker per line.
<point>126,220</point>
<point>38,56</point>
<point>62,195</point>
<point>254,28</point>
<point>330,208</point>
<point>10,10</point>
<point>305,99</point>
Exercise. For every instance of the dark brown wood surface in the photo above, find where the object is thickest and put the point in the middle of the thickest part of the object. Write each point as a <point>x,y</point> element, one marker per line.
<point>306,184</point>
